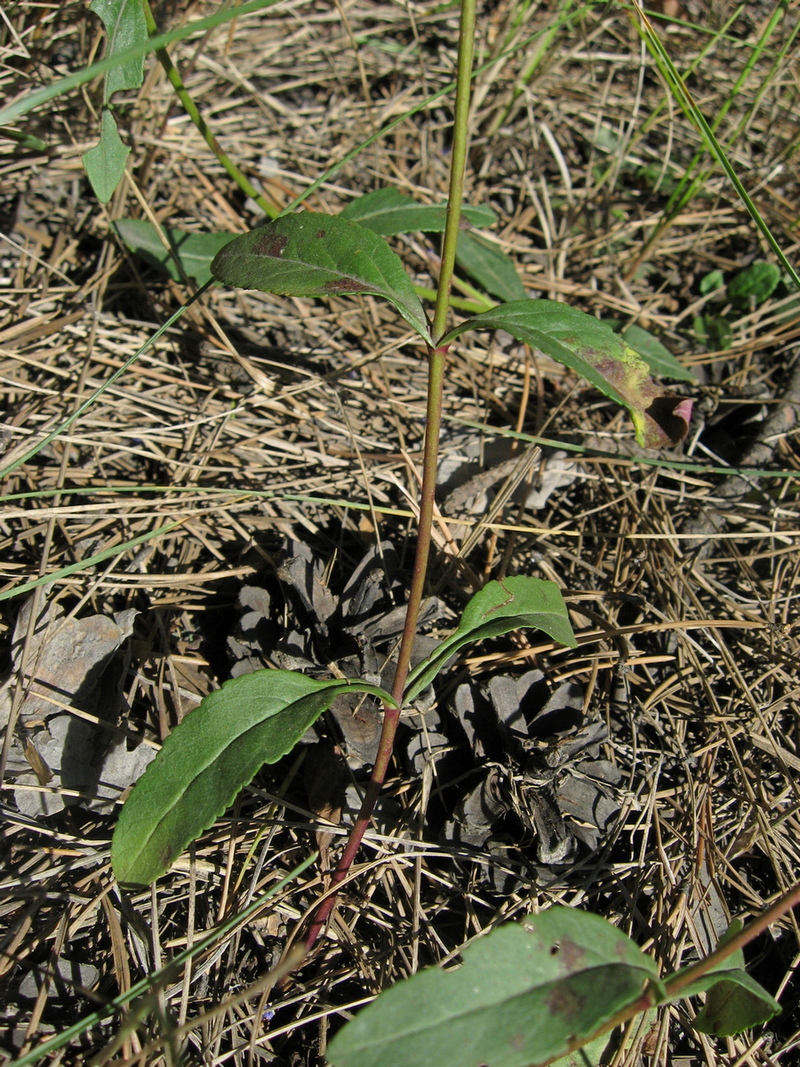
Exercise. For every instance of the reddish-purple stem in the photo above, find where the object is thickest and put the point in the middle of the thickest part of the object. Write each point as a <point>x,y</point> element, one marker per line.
<point>391,717</point>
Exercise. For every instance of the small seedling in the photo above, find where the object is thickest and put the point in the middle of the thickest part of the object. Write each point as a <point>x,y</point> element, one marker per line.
<point>311,254</point>
<point>745,291</point>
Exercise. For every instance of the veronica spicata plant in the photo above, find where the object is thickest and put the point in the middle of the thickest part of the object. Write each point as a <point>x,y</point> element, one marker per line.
<point>259,717</point>
<point>529,992</point>
<point>534,991</point>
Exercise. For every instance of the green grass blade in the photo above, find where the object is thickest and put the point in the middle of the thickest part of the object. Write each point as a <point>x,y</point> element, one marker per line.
<point>684,97</point>
<point>68,421</point>
<point>90,561</point>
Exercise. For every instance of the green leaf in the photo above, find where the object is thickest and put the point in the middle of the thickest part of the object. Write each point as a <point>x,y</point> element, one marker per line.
<point>490,268</point>
<point>105,163</point>
<point>657,357</point>
<point>608,1047</point>
<point>753,285</point>
<point>713,331</point>
<point>710,282</point>
<point>605,140</point>
<point>126,27</point>
<point>194,251</point>
<point>388,211</point>
<point>499,607</point>
<point>217,749</point>
<point>735,1002</point>
<point>591,348</point>
<point>522,995</point>
<point>591,1054</point>
<point>311,254</point>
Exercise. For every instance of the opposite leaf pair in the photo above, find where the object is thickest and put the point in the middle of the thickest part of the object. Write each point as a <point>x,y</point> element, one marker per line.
<point>258,718</point>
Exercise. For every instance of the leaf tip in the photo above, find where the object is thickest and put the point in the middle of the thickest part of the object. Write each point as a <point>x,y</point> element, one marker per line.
<point>666,420</point>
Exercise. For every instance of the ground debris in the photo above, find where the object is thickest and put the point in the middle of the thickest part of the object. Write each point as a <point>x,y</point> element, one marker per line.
<point>303,625</point>
<point>58,758</point>
<point>544,768</point>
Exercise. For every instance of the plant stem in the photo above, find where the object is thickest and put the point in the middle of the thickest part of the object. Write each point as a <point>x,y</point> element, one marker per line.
<point>438,355</point>
<point>436,365</point>
<point>458,160</point>
<point>175,80</point>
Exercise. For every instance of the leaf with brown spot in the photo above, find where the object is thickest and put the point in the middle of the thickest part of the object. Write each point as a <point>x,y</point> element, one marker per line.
<point>590,347</point>
<point>311,254</point>
<point>521,996</point>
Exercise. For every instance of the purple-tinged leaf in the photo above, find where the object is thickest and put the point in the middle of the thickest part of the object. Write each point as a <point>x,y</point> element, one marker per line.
<point>591,348</point>
<point>311,254</point>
